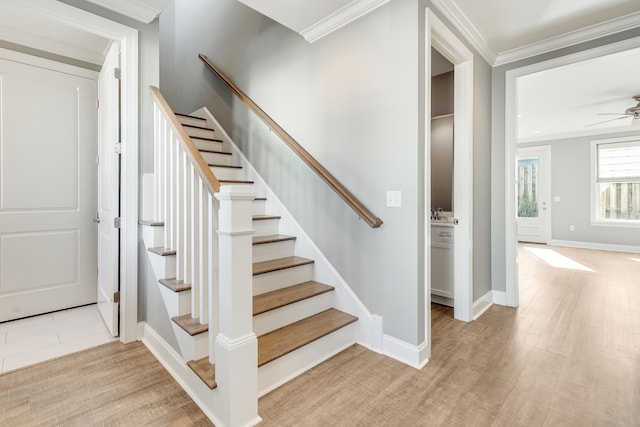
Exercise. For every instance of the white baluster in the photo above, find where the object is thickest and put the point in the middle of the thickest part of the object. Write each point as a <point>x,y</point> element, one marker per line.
<point>196,283</point>
<point>210,271</point>
<point>180,200</point>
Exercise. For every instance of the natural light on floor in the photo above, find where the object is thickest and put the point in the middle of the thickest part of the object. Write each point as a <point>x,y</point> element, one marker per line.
<point>635,259</point>
<point>554,259</point>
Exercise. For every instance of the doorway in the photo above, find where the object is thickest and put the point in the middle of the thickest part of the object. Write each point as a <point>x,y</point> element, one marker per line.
<point>439,37</point>
<point>533,213</point>
<point>128,39</point>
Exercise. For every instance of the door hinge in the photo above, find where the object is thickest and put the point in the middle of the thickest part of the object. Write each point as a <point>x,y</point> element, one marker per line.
<point>117,148</point>
<point>116,73</point>
<point>117,222</point>
<point>116,297</point>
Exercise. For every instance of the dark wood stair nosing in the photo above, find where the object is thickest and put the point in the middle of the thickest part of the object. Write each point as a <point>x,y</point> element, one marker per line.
<point>234,181</point>
<point>189,116</point>
<point>215,165</point>
<point>203,138</point>
<point>265,217</point>
<point>197,127</point>
<point>206,150</point>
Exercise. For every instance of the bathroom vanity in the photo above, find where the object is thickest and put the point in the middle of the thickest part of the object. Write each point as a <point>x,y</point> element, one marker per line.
<point>442,232</point>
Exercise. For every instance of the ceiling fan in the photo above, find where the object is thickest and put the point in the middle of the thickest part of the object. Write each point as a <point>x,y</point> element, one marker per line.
<point>633,112</point>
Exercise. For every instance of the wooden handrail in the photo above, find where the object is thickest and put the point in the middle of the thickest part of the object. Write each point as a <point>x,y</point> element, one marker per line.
<point>199,164</point>
<point>324,174</point>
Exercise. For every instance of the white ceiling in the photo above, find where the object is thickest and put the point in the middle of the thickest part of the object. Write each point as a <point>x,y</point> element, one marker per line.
<point>21,27</point>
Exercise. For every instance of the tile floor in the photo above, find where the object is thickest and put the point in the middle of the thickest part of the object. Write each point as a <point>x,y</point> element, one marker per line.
<point>36,339</point>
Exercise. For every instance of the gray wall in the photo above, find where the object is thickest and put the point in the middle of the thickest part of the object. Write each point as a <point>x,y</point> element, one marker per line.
<point>498,146</point>
<point>571,180</point>
<point>355,101</point>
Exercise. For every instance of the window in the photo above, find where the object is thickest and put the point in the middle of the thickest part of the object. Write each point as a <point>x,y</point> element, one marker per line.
<point>617,181</point>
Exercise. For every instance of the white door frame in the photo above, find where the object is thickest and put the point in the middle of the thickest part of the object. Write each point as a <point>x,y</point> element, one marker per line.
<point>440,37</point>
<point>128,38</point>
<point>544,183</point>
<point>511,141</point>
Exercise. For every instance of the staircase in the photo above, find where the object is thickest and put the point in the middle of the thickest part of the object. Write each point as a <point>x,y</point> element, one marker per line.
<point>294,316</point>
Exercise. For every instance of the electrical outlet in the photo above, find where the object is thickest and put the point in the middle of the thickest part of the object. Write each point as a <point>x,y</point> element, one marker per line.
<point>394,199</point>
<point>572,228</point>
<point>556,198</point>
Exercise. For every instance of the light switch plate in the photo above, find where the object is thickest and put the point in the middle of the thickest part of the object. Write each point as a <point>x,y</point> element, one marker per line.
<point>394,199</point>
<point>556,198</point>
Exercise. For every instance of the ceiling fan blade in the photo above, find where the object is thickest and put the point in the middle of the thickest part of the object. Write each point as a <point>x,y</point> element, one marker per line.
<point>606,121</point>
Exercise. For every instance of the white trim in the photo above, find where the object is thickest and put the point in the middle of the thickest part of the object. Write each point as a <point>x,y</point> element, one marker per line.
<point>511,138</point>
<point>500,298</point>
<point>440,37</point>
<point>179,370</point>
<point>139,10</point>
<point>409,354</point>
<point>24,58</point>
<point>482,304</point>
<point>582,35</point>
<point>340,18</point>
<point>596,246</point>
<point>462,23</point>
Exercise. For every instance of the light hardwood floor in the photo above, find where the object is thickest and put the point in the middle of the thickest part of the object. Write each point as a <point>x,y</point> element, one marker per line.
<point>570,355</point>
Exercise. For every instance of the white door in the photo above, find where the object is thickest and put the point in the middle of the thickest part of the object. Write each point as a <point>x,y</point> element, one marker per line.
<point>108,191</point>
<point>48,135</point>
<point>533,173</point>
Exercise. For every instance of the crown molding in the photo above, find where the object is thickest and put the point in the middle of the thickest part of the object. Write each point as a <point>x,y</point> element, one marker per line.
<point>585,34</point>
<point>141,10</point>
<point>461,22</point>
<point>340,18</point>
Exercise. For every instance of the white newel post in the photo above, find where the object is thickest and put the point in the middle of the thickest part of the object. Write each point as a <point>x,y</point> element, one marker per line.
<point>236,343</point>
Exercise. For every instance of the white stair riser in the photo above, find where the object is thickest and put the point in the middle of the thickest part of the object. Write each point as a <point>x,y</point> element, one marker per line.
<point>268,282</point>
<point>266,227</point>
<point>259,207</point>
<point>207,145</point>
<point>275,250</point>
<point>216,158</point>
<point>163,266</point>
<point>285,368</point>
<point>152,236</point>
<point>227,173</point>
<point>192,121</point>
<point>177,303</point>
<point>191,347</point>
<point>200,133</point>
<point>283,316</point>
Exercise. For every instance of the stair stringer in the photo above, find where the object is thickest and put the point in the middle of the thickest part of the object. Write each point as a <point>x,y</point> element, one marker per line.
<point>369,331</point>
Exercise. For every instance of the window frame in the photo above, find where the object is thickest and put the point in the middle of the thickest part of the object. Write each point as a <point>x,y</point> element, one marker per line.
<point>595,196</point>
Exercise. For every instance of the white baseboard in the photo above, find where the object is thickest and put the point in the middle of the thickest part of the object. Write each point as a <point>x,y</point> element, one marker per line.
<point>482,304</point>
<point>180,372</point>
<point>500,298</point>
<point>415,356</point>
<point>596,246</point>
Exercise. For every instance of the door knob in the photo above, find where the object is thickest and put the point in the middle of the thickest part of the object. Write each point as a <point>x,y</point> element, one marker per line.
<point>96,219</point>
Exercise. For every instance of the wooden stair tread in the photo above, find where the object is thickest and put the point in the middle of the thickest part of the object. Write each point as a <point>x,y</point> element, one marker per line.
<point>271,300</point>
<point>261,240</point>
<point>265,217</point>
<point>279,264</point>
<point>205,371</point>
<point>203,138</point>
<point>162,251</point>
<point>291,337</point>
<point>234,181</point>
<point>190,325</point>
<point>260,198</point>
<point>175,285</point>
<point>198,127</point>
<point>206,150</point>
<point>189,116</point>
<point>214,165</point>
